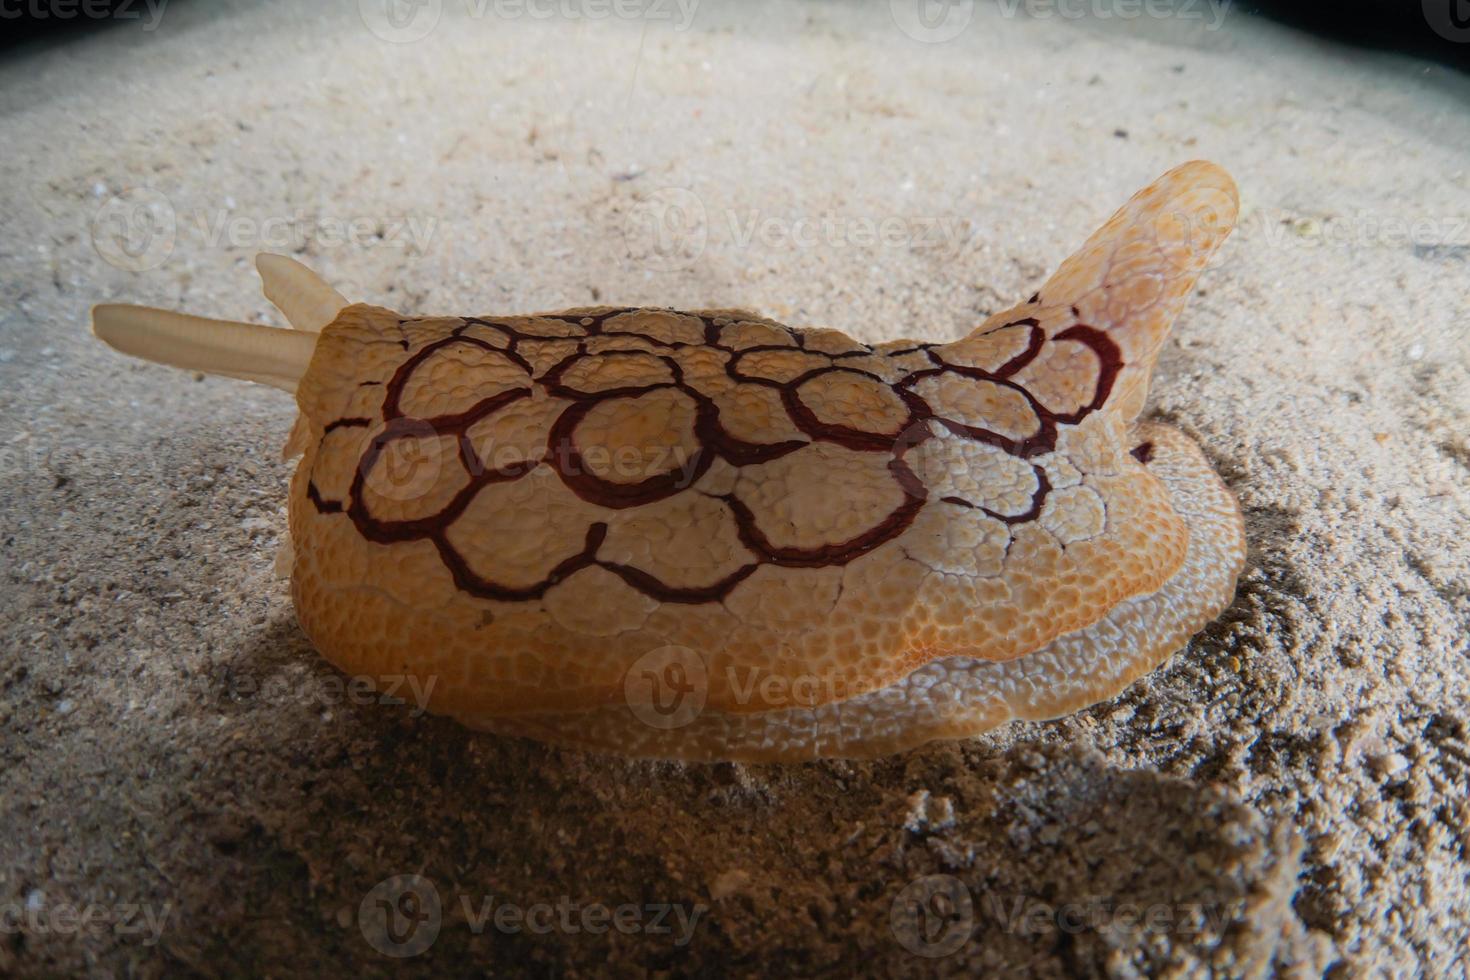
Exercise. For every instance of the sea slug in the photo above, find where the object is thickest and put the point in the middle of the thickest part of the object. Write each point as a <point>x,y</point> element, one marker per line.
<point>706,535</point>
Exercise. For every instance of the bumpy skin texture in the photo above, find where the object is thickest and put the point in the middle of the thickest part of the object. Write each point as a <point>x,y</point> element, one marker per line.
<point>523,510</point>
<point>959,696</point>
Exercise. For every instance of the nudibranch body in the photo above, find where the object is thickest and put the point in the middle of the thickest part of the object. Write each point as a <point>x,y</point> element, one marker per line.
<point>706,535</point>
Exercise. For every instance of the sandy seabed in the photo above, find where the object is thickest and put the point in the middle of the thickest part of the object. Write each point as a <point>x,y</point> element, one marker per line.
<point>185,787</point>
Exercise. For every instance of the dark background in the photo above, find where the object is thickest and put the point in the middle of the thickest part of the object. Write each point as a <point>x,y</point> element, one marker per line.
<point>1385,25</point>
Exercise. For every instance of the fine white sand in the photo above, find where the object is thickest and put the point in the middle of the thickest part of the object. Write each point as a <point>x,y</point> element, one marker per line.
<point>1290,791</point>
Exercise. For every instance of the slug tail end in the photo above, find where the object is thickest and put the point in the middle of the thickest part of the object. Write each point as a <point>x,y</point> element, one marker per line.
<point>1129,281</point>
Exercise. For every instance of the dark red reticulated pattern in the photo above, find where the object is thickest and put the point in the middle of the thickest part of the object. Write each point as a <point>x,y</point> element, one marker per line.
<point>563,455</point>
